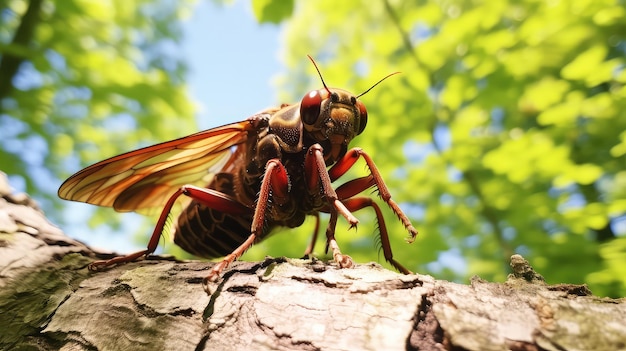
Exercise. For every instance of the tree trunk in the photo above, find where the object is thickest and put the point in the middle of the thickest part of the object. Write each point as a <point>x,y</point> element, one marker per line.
<point>49,301</point>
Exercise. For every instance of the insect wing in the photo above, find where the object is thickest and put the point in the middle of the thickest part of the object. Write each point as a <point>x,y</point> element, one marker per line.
<point>143,179</point>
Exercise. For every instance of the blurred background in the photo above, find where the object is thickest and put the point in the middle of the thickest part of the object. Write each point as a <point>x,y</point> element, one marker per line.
<point>505,132</point>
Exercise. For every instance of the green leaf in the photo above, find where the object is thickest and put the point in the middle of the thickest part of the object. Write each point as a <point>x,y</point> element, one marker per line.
<point>543,94</point>
<point>585,64</point>
<point>272,11</point>
<point>619,149</point>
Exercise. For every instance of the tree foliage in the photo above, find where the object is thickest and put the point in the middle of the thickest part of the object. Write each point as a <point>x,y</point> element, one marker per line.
<point>505,133</point>
<point>82,80</point>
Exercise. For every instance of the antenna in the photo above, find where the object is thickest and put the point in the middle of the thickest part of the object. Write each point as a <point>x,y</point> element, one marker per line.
<point>358,96</point>
<point>375,84</point>
<point>320,74</point>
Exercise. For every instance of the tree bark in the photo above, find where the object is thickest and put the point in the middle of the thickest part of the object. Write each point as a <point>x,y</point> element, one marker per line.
<point>49,301</point>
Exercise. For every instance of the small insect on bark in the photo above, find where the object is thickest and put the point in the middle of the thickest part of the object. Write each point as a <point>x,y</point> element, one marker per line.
<point>242,180</point>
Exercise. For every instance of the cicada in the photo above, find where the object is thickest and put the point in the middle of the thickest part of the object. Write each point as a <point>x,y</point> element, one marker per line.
<point>240,181</point>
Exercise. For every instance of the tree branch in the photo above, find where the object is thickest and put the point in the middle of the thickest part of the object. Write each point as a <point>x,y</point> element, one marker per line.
<point>49,300</point>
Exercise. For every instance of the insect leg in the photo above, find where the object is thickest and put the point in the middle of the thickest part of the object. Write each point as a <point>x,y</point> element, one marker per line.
<point>208,197</point>
<point>315,168</point>
<point>357,203</point>
<point>309,249</point>
<point>275,182</point>
<point>344,261</point>
<point>347,161</point>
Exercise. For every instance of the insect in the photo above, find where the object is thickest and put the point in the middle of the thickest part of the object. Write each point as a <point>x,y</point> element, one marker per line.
<point>242,180</point>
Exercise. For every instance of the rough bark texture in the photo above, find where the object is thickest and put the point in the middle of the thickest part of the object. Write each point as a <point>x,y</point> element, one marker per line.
<point>49,301</point>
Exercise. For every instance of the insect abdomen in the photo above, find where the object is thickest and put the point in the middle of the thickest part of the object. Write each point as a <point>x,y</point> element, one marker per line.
<point>209,233</point>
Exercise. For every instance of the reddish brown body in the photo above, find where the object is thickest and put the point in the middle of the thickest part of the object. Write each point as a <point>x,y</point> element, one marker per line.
<point>267,171</point>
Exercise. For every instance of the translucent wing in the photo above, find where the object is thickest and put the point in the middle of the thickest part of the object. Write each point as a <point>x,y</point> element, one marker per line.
<point>142,180</point>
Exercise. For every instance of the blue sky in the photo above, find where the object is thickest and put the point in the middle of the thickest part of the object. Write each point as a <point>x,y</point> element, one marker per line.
<point>232,62</point>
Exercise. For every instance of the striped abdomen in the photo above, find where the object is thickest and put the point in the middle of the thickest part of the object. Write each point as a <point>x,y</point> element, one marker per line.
<point>209,233</point>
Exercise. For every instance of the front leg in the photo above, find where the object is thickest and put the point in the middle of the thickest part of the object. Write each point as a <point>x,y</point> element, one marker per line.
<point>346,162</point>
<point>317,175</point>
<point>315,169</point>
<point>275,182</point>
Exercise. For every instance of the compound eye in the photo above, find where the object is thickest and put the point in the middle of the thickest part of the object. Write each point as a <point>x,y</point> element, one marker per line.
<point>310,107</point>
<point>362,116</point>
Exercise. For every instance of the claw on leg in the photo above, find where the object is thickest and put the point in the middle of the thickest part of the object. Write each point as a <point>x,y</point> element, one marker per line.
<point>344,261</point>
